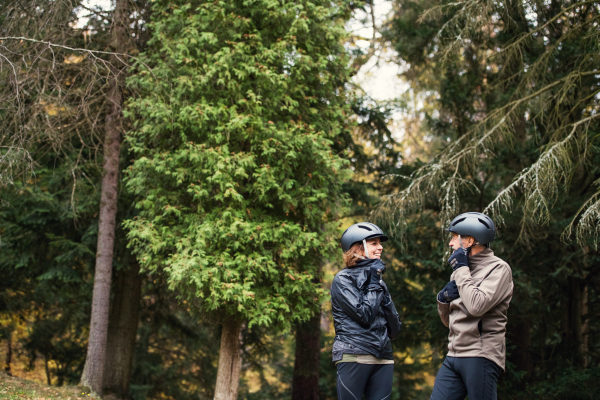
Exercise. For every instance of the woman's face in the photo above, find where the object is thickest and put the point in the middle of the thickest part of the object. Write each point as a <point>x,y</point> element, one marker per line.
<point>375,248</point>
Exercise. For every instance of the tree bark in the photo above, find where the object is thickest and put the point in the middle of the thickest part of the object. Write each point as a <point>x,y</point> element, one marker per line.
<point>93,370</point>
<point>230,362</point>
<point>573,326</point>
<point>47,369</point>
<point>305,383</point>
<point>122,331</point>
<point>585,327</point>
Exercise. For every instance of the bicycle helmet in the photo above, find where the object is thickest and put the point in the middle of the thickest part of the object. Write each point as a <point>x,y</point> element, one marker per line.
<point>359,232</point>
<point>474,224</point>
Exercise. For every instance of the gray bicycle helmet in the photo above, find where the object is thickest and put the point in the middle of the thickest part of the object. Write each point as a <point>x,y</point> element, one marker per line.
<point>359,232</point>
<point>475,224</point>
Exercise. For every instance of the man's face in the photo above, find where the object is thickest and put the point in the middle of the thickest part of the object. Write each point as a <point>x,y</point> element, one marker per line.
<point>467,241</point>
<point>375,248</point>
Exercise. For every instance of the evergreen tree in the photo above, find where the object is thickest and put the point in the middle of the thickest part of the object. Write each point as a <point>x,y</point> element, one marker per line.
<point>238,182</point>
<point>46,260</point>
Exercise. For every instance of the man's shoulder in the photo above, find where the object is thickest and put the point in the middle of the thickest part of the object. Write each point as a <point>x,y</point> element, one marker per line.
<point>496,263</point>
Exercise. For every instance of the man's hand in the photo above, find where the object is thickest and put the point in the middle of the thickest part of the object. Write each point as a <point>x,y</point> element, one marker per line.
<point>448,293</point>
<point>460,258</point>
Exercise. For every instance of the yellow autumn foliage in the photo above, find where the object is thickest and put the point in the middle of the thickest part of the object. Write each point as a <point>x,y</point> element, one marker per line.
<point>73,59</point>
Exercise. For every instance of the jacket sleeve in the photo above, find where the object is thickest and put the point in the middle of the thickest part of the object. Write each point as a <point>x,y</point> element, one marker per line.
<point>491,291</point>
<point>391,316</point>
<point>444,312</point>
<point>361,308</point>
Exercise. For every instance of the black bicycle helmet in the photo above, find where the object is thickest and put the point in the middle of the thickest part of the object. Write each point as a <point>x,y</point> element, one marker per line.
<point>358,232</point>
<point>475,224</point>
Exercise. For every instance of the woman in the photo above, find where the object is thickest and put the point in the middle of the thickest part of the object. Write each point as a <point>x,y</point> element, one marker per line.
<point>364,317</point>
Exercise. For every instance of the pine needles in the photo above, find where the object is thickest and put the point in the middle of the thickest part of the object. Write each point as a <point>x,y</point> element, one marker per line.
<point>549,71</point>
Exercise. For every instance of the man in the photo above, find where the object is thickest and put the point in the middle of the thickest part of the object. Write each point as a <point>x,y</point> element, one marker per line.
<point>473,305</point>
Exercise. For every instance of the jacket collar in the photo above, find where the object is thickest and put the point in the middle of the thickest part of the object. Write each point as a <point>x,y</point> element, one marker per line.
<point>480,259</point>
<point>366,262</point>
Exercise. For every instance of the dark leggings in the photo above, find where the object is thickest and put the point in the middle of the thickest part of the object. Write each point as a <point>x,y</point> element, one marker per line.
<point>374,380</point>
<point>459,376</point>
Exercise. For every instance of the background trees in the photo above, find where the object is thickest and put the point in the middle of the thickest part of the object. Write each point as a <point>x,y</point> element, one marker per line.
<point>517,99</point>
<point>499,115</point>
<point>64,101</point>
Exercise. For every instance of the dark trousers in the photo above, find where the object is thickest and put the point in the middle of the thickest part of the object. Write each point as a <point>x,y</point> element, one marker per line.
<point>372,380</point>
<point>462,376</point>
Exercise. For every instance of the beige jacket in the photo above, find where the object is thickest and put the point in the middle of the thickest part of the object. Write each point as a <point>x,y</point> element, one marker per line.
<point>477,319</point>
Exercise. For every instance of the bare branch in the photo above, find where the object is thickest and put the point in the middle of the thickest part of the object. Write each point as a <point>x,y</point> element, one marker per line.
<point>92,53</point>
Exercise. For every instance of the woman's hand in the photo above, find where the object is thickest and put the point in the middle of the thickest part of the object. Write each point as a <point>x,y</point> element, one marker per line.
<point>377,270</point>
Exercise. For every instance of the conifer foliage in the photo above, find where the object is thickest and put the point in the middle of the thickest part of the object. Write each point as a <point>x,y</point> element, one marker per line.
<point>537,66</point>
<point>237,181</point>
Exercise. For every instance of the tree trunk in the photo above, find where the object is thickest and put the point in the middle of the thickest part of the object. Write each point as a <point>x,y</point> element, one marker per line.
<point>305,383</point>
<point>122,331</point>
<point>573,325</point>
<point>585,327</point>
<point>230,362</point>
<point>576,324</point>
<point>521,336</point>
<point>8,354</point>
<point>47,369</point>
<point>93,370</point>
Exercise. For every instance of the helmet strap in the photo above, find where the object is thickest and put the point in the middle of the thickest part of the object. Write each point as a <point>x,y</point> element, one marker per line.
<point>366,249</point>
<point>470,247</point>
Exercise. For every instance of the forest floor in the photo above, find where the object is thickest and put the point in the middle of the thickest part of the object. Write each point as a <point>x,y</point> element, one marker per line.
<point>13,388</point>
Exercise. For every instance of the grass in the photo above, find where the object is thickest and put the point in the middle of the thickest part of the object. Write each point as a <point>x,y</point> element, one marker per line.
<point>13,388</point>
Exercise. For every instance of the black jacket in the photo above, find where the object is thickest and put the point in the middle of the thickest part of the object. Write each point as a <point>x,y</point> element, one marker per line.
<point>364,315</point>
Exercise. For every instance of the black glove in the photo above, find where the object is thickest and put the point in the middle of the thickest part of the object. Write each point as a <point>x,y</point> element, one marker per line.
<point>449,293</point>
<point>377,269</point>
<point>460,258</point>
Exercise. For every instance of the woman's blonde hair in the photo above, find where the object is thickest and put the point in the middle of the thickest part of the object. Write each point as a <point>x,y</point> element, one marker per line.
<point>353,254</point>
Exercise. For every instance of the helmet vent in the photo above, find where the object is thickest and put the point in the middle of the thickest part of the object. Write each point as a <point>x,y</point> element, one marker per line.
<point>483,222</point>
<point>365,227</point>
<point>458,221</point>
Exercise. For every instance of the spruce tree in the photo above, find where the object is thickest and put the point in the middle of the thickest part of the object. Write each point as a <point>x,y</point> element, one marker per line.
<point>239,187</point>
